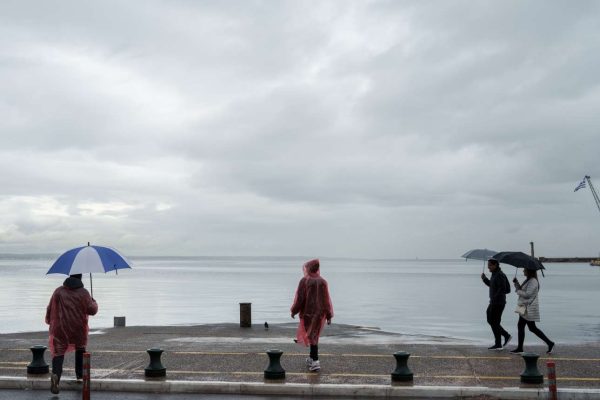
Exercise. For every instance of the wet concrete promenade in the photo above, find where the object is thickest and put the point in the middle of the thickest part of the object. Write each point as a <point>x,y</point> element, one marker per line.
<point>348,355</point>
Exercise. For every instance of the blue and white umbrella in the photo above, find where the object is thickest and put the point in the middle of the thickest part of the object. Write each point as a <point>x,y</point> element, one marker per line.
<point>89,259</point>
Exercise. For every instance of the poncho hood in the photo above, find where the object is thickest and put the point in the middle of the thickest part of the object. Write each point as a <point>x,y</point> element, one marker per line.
<point>73,283</point>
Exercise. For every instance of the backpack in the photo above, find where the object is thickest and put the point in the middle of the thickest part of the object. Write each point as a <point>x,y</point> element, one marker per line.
<point>506,284</point>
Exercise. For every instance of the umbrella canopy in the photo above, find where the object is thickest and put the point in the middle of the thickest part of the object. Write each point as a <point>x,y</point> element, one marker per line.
<point>479,254</point>
<point>519,259</point>
<point>88,259</point>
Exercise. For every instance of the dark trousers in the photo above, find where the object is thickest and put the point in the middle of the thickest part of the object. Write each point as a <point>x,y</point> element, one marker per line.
<point>314,352</point>
<point>57,364</point>
<point>534,329</point>
<point>494,317</point>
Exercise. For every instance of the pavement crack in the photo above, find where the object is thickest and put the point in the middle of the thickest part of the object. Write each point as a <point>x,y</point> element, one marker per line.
<point>473,369</point>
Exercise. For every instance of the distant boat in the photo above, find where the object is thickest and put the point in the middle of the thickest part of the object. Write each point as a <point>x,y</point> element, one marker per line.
<point>596,262</point>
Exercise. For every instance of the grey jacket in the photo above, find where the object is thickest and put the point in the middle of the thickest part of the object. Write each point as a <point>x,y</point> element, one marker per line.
<point>528,296</point>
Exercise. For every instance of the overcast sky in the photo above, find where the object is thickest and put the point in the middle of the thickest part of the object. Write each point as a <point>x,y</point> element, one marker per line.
<point>387,129</point>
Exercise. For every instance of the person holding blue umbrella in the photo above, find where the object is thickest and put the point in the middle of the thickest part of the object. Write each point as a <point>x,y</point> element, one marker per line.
<point>67,314</point>
<point>71,304</point>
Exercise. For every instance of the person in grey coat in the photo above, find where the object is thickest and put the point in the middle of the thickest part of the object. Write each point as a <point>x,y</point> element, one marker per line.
<point>528,297</point>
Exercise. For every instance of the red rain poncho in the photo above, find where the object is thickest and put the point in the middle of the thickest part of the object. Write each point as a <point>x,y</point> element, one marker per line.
<point>67,315</point>
<point>313,303</point>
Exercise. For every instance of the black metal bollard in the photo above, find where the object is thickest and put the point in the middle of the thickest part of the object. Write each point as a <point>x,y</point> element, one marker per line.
<point>274,369</point>
<point>155,369</point>
<point>38,364</point>
<point>246,315</point>
<point>531,374</point>
<point>402,372</point>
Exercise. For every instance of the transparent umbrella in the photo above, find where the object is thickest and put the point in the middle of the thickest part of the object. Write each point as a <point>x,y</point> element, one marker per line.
<point>479,254</point>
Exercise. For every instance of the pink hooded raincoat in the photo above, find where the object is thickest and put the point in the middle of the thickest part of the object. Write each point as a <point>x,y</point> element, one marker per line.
<point>313,303</point>
<point>67,315</point>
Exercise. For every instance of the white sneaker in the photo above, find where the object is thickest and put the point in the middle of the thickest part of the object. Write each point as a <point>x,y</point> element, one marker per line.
<point>315,366</point>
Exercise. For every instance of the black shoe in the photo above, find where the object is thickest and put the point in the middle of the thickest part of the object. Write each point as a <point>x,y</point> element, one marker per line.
<point>507,340</point>
<point>54,379</point>
<point>496,347</point>
<point>516,351</point>
<point>550,348</point>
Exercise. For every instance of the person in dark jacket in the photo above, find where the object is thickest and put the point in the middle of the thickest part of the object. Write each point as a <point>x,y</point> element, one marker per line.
<point>67,314</point>
<point>499,287</point>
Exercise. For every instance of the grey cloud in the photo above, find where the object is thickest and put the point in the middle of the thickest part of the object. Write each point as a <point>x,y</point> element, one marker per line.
<point>399,129</point>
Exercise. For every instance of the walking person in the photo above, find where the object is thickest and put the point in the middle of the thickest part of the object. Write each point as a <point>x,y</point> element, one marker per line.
<point>529,314</point>
<point>67,314</point>
<point>499,287</point>
<point>313,304</point>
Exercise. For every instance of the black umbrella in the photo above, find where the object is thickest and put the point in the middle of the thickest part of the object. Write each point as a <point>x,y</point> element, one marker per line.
<point>520,260</point>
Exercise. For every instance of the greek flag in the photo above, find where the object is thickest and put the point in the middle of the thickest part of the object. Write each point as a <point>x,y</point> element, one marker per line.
<point>581,185</point>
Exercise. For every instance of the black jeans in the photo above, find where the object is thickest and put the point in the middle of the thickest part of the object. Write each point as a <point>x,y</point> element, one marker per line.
<point>494,317</point>
<point>314,352</point>
<point>57,364</point>
<point>534,329</point>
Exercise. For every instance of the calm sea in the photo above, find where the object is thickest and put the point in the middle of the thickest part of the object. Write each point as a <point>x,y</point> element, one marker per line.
<point>424,298</point>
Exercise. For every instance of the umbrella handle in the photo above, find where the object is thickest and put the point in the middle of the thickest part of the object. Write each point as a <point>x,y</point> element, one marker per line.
<point>91,285</point>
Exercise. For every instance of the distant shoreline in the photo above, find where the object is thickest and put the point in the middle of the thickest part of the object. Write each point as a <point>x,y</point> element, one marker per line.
<point>51,256</point>
<point>567,259</point>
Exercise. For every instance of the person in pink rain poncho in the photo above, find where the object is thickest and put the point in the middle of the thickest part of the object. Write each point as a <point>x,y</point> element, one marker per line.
<point>67,314</point>
<point>313,304</point>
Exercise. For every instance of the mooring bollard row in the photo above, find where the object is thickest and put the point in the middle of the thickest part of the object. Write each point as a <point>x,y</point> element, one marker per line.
<point>38,364</point>
<point>531,374</point>
<point>402,373</point>
<point>274,369</point>
<point>155,369</point>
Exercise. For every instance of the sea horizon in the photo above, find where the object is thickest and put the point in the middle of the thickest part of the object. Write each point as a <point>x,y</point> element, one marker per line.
<point>426,298</point>
<point>44,255</point>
